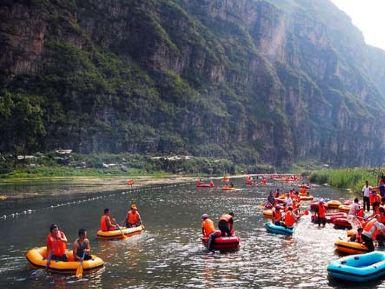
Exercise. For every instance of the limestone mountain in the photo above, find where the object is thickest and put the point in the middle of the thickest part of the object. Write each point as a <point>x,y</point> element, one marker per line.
<point>272,81</point>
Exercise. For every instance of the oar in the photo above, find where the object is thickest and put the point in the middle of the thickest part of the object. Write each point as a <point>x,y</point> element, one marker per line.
<point>79,270</point>
<point>121,231</point>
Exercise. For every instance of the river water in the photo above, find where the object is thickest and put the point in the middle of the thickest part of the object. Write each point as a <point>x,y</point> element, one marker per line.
<point>169,253</point>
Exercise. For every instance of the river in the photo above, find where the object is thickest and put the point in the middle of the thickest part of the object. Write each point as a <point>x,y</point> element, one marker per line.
<point>169,253</point>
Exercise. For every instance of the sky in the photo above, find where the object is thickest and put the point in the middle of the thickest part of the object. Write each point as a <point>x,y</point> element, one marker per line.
<point>368,16</point>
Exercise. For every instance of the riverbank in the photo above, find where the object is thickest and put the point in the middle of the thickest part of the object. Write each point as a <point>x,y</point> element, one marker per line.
<point>347,178</point>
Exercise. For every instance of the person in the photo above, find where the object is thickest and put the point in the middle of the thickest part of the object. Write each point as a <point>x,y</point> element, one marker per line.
<point>321,213</point>
<point>277,216</point>
<point>381,217</point>
<point>56,244</point>
<point>225,224</point>
<point>371,232</point>
<point>81,248</point>
<point>357,237</point>
<point>271,199</point>
<point>288,200</point>
<point>208,230</point>
<point>212,185</point>
<point>107,223</point>
<point>366,196</point>
<point>289,218</point>
<point>382,188</point>
<point>303,190</point>
<point>353,213</point>
<point>133,218</point>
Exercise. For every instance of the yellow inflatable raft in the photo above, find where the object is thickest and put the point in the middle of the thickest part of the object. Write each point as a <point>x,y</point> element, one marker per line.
<point>118,234</point>
<point>306,198</point>
<point>333,204</point>
<point>38,258</point>
<point>344,208</point>
<point>351,248</point>
<point>268,214</point>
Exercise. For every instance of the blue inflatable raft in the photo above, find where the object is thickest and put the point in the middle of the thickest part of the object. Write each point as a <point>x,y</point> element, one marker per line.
<point>359,268</point>
<point>271,228</point>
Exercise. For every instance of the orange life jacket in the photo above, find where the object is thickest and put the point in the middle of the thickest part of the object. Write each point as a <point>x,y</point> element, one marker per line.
<point>133,217</point>
<point>289,219</point>
<point>360,213</point>
<point>54,246</point>
<point>277,216</point>
<point>103,223</point>
<point>369,228</point>
<point>321,211</point>
<point>208,227</point>
<point>303,191</point>
<point>382,218</point>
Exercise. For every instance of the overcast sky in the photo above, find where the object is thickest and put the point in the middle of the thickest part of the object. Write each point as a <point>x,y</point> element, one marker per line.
<point>368,16</point>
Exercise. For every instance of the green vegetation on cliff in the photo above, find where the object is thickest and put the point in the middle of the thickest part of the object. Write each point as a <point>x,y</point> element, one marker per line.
<point>247,81</point>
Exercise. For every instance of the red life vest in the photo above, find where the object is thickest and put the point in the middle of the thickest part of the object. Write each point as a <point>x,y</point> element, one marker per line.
<point>289,219</point>
<point>321,211</point>
<point>133,217</point>
<point>55,246</point>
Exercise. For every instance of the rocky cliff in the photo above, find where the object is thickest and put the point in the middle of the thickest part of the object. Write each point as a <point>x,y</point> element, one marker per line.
<point>256,81</point>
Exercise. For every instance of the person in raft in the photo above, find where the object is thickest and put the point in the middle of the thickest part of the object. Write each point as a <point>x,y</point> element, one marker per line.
<point>373,230</point>
<point>208,230</point>
<point>366,196</point>
<point>81,248</point>
<point>290,218</point>
<point>354,212</point>
<point>277,216</point>
<point>56,244</point>
<point>270,199</point>
<point>133,218</point>
<point>107,223</point>
<point>321,213</point>
<point>357,237</point>
<point>225,224</point>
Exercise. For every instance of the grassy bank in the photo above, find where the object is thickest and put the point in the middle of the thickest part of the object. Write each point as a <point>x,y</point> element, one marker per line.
<point>348,178</point>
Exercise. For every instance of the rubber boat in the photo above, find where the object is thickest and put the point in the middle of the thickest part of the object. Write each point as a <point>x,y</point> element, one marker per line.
<point>227,188</point>
<point>344,208</point>
<point>359,268</point>
<point>306,198</point>
<point>348,247</point>
<point>268,214</point>
<point>118,234</point>
<point>329,217</point>
<point>333,204</point>
<point>342,223</point>
<point>223,244</point>
<point>271,228</point>
<point>38,258</point>
<point>202,185</point>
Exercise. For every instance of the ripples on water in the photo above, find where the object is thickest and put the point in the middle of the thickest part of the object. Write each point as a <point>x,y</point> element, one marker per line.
<point>169,253</point>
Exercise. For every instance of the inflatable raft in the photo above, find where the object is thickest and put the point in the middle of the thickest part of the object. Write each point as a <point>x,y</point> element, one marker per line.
<point>333,204</point>
<point>306,198</point>
<point>271,228</point>
<point>348,247</point>
<point>118,234</point>
<point>204,186</point>
<point>342,223</point>
<point>344,208</point>
<point>268,214</point>
<point>227,188</point>
<point>359,268</point>
<point>223,244</point>
<point>38,258</point>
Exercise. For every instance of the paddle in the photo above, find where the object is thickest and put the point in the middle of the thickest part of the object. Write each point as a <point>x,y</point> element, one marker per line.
<point>121,231</point>
<point>79,270</point>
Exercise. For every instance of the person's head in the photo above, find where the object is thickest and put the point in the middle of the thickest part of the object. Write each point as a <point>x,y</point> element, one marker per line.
<point>106,211</point>
<point>290,208</point>
<point>231,214</point>
<point>277,208</point>
<point>366,183</point>
<point>54,228</point>
<point>356,200</point>
<point>321,201</point>
<point>204,217</point>
<point>134,207</point>
<point>359,230</point>
<point>82,233</point>
<point>375,205</point>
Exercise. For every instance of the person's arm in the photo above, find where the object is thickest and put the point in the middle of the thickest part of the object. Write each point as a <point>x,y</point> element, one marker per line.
<point>75,250</point>
<point>108,223</point>
<point>88,246</point>
<point>63,237</point>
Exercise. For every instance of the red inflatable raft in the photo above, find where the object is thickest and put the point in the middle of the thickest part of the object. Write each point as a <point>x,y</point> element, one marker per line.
<point>342,223</point>
<point>223,244</point>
